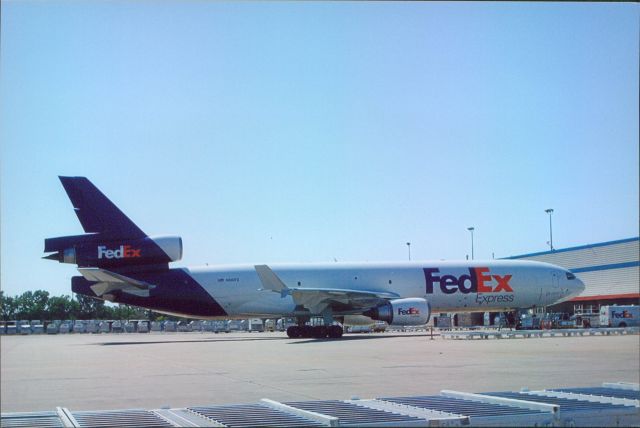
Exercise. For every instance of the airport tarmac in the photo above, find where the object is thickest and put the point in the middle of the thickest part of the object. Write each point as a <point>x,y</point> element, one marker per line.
<point>116,371</point>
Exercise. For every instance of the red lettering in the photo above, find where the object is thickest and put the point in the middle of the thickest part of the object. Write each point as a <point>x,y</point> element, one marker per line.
<point>130,252</point>
<point>481,280</point>
<point>503,283</point>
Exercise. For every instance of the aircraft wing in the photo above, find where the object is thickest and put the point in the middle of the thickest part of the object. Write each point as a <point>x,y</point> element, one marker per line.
<point>339,300</point>
<point>107,281</point>
<point>318,299</point>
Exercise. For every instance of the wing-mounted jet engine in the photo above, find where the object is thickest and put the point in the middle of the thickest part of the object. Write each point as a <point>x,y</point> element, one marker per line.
<point>410,311</point>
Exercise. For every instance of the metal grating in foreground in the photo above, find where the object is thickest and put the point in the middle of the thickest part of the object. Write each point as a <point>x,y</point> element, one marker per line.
<point>628,394</point>
<point>252,415</point>
<point>612,404</point>
<point>121,418</point>
<point>462,407</point>
<point>566,404</point>
<point>31,419</point>
<point>352,414</point>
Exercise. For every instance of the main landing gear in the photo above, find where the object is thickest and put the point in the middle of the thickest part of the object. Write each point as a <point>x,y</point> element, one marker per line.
<point>317,331</point>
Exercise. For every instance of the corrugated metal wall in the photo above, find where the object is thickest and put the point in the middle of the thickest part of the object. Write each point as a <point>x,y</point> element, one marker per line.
<point>610,281</point>
<point>596,265</point>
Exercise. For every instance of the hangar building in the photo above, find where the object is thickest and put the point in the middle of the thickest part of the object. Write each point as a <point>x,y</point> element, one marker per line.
<point>609,270</point>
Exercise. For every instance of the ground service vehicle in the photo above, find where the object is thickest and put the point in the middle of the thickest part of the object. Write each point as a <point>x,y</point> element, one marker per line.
<point>620,316</point>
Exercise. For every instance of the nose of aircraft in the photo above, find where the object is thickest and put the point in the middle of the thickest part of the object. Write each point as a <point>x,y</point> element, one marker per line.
<point>578,287</point>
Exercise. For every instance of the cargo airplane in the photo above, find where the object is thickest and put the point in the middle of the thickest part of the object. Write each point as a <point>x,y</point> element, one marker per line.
<point>120,263</point>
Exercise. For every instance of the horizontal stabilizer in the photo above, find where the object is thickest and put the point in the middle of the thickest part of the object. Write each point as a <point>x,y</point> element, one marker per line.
<point>107,281</point>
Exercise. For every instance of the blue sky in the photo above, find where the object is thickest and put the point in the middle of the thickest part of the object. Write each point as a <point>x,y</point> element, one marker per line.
<point>301,132</point>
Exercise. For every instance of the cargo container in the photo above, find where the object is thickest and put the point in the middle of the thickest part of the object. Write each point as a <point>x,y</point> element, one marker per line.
<point>37,328</point>
<point>207,325</point>
<point>143,326</point>
<point>256,325</point>
<point>219,326</point>
<point>91,326</point>
<point>65,327</point>
<point>79,327</point>
<point>237,325</point>
<point>117,327</point>
<point>184,327</point>
<point>12,328</point>
<point>196,325</point>
<point>104,327</point>
<point>24,327</point>
<point>169,326</point>
<point>130,327</point>
<point>156,325</point>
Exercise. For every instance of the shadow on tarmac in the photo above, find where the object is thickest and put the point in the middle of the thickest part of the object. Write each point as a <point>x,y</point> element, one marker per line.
<point>347,337</point>
<point>168,342</point>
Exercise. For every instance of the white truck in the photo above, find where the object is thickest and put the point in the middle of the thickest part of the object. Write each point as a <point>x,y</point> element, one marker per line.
<point>620,316</point>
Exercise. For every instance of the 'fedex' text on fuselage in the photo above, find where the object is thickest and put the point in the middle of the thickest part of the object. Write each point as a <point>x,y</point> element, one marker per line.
<point>479,280</point>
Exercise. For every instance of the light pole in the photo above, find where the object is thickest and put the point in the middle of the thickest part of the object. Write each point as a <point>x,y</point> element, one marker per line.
<point>409,247</point>
<point>471,229</point>
<point>550,211</point>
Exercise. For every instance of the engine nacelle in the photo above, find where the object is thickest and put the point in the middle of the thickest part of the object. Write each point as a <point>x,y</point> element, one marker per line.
<point>171,245</point>
<point>410,311</point>
<point>94,251</point>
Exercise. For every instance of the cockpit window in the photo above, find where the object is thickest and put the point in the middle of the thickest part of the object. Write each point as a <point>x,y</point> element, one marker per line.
<point>570,275</point>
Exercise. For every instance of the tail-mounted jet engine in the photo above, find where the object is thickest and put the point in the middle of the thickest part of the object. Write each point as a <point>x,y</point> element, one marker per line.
<point>411,311</point>
<point>97,251</point>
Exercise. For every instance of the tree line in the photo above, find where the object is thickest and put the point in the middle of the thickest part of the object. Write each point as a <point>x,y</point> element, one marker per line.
<point>39,305</point>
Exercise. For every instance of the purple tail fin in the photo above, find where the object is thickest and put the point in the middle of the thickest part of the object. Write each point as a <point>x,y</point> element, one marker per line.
<point>96,212</point>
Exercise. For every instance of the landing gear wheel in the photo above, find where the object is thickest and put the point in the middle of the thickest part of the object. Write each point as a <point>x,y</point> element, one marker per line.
<point>294,332</point>
<point>319,332</point>
<point>306,331</point>
<point>335,331</point>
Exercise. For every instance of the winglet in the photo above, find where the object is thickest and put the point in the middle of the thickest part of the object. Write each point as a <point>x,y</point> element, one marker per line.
<point>271,281</point>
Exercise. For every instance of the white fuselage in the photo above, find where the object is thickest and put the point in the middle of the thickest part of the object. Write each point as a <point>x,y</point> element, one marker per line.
<point>449,286</point>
